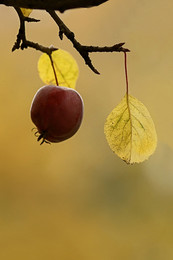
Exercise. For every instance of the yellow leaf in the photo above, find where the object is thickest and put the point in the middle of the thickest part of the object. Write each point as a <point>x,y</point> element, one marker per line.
<point>65,66</point>
<point>130,131</point>
<point>26,12</point>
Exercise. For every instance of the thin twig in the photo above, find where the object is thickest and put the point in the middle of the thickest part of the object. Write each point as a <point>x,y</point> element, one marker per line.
<point>22,42</point>
<point>83,50</point>
<point>29,19</point>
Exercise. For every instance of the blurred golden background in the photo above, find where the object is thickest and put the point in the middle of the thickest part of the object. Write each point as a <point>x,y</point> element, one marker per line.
<point>76,199</point>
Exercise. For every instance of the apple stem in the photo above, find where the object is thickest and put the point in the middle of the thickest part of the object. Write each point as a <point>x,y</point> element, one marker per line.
<point>54,71</point>
<point>126,75</point>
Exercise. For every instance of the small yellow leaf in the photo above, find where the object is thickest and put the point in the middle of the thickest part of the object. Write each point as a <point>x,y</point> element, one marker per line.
<point>130,131</point>
<point>65,65</point>
<point>26,12</point>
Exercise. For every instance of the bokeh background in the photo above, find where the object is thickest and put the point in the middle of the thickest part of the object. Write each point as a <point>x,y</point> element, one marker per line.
<point>76,200</point>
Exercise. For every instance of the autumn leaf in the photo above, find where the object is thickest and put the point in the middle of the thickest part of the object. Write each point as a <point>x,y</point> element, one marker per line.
<point>66,69</point>
<point>130,131</point>
<point>26,12</point>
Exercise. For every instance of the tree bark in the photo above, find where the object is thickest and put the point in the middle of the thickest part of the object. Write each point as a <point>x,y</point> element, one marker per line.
<point>60,5</point>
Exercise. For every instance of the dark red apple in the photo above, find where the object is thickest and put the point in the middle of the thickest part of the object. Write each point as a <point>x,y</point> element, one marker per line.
<point>57,113</point>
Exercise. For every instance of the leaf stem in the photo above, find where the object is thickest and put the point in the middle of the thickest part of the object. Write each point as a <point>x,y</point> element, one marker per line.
<point>126,75</point>
<point>54,71</point>
<point>128,104</point>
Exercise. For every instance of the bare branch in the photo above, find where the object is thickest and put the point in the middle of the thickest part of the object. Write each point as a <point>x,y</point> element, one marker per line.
<point>60,5</point>
<point>83,50</point>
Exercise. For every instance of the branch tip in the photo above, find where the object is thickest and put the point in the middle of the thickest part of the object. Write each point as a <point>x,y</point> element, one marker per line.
<point>29,19</point>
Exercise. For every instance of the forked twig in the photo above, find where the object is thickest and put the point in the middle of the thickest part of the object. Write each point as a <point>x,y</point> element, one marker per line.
<point>22,42</point>
<point>82,49</point>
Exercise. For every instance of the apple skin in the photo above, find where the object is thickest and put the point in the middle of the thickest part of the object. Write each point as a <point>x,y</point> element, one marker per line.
<point>57,113</point>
